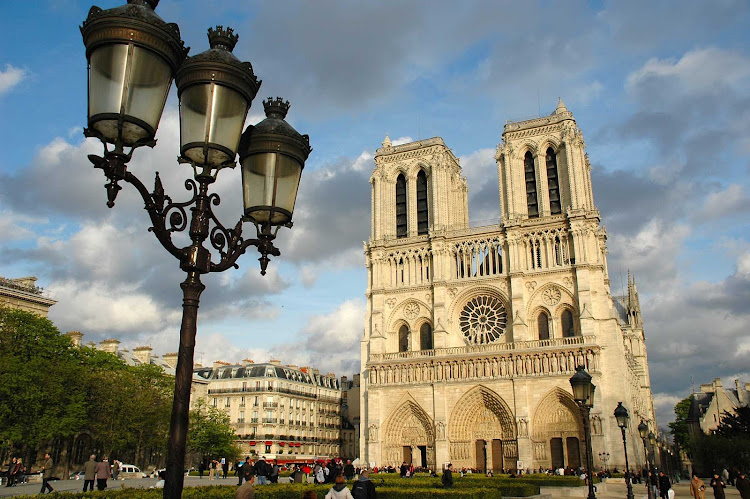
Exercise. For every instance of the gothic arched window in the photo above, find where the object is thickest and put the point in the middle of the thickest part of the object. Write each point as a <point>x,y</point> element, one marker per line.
<point>403,339</point>
<point>425,337</point>
<point>542,325</point>
<point>401,206</point>
<point>555,207</point>
<point>568,327</point>
<point>531,200</point>
<point>422,210</point>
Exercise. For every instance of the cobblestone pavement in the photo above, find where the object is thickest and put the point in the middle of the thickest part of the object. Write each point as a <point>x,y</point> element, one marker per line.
<point>609,491</point>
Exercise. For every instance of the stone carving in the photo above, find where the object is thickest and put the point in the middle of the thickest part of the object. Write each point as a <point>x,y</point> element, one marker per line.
<point>390,302</point>
<point>568,282</point>
<point>440,430</point>
<point>452,292</point>
<point>411,310</point>
<point>523,427</point>
<point>531,285</point>
<point>551,296</point>
<point>428,298</point>
<point>373,430</point>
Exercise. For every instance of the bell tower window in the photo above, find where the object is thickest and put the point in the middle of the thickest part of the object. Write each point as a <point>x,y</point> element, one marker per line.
<point>568,327</point>
<point>403,339</point>
<point>542,324</point>
<point>531,198</point>
<point>401,206</point>
<point>555,207</point>
<point>425,337</point>
<point>422,210</point>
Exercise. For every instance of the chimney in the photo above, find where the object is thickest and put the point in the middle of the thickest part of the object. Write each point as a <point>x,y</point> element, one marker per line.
<point>707,388</point>
<point>220,363</point>
<point>110,346</point>
<point>316,371</point>
<point>170,359</point>
<point>740,393</point>
<point>717,383</point>
<point>248,362</point>
<point>143,354</point>
<point>274,362</point>
<point>76,338</point>
<point>356,380</point>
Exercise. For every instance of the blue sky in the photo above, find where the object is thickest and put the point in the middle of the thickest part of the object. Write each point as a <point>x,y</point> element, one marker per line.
<point>661,91</point>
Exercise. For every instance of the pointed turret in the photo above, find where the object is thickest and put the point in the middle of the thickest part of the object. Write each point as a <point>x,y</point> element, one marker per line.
<point>634,304</point>
<point>560,107</point>
<point>387,142</point>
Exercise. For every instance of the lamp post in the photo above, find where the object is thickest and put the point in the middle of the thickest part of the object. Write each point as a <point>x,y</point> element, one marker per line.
<point>133,56</point>
<point>604,457</point>
<point>643,432</point>
<point>583,394</point>
<point>623,418</point>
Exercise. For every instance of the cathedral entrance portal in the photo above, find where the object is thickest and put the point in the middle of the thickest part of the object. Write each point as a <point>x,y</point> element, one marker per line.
<point>409,437</point>
<point>557,431</point>
<point>482,431</point>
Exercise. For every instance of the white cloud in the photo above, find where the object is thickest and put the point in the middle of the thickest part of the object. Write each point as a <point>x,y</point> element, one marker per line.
<point>731,201</point>
<point>11,77</point>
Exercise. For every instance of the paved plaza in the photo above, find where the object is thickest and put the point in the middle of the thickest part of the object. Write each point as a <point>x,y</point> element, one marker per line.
<point>609,491</point>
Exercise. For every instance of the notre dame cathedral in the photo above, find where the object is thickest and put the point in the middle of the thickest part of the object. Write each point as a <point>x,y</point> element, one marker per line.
<point>472,333</point>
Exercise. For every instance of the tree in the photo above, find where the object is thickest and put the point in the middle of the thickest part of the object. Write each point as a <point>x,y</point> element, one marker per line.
<point>736,424</point>
<point>679,428</point>
<point>40,374</point>
<point>210,433</point>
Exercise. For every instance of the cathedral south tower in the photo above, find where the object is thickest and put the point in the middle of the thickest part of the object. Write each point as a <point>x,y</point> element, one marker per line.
<point>472,333</point>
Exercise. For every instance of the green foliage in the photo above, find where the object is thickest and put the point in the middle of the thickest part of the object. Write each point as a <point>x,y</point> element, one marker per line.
<point>736,424</point>
<point>210,433</point>
<point>679,427</point>
<point>39,372</point>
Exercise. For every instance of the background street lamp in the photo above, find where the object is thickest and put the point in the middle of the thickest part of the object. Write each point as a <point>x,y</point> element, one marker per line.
<point>133,56</point>
<point>623,418</point>
<point>643,432</point>
<point>583,394</point>
<point>604,457</point>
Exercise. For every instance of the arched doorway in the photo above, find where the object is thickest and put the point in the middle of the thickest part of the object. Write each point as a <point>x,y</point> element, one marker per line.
<point>482,432</point>
<point>408,436</point>
<point>557,432</point>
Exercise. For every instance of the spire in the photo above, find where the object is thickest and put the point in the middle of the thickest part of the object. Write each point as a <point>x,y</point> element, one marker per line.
<point>634,305</point>
<point>560,107</point>
<point>387,142</point>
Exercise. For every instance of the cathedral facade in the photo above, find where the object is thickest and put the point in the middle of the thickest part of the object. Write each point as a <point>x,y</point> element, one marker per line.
<point>472,333</point>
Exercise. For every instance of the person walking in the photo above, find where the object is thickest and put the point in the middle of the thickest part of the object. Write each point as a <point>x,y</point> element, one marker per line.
<point>115,469</point>
<point>246,490</point>
<point>339,490</point>
<point>447,478</point>
<point>46,474</point>
<point>102,473</point>
<point>349,470</point>
<point>89,473</point>
<point>697,487</point>
<point>261,471</point>
<point>224,466</point>
<point>743,485</point>
<point>18,472</point>
<point>664,485</point>
<point>9,474</point>
<point>273,472</point>
<point>717,483</point>
<point>241,469</point>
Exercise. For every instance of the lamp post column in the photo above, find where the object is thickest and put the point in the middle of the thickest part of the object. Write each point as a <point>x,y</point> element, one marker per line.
<point>648,469</point>
<point>589,458</point>
<point>627,465</point>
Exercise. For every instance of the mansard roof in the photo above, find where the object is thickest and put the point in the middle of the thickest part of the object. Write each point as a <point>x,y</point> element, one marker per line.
<point>266,371</point>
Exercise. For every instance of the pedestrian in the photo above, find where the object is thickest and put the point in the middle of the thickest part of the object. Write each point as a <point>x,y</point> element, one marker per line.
<point>224,466</point>
<point>363,488</point>
<point>212,469</point>
<point>46,474</point>
<point>102,473</point>
<point>115,469</point>
<point>246,490</point>
<point>248,470</point>
<point>717,483</point>
<point>297,476</point>
<point>743,485</point>
<point>202,468</point>
<point>349,470</point>
<point>89,473</point>
<point>18,472</point>
<point>273,474</point>
<point>339,490</point>
<point>9,474</point>
<point>240,469</point>
<point>404,468</point>
<point>447,479</point>
<point>261,471</point>
<point>697,487</point>
<point>318,474</point>
<point>664,485</point>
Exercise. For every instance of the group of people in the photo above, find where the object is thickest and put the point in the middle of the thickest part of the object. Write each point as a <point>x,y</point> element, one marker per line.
<point>17,472</point>
<point>718,483</point>
<point>99,471</point>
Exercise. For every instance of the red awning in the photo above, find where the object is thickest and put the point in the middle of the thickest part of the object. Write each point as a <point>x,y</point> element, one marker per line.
<point>252,442</point>
<point>269,442</point>
<point>282,444</point>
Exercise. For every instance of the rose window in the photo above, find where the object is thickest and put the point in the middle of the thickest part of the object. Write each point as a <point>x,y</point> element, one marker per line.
<point>483,320</point>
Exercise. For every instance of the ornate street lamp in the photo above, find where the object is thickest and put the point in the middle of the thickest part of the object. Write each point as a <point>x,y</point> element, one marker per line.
<point>133,57</point>
<point>623,418</point>
<point>604,457</point>
<point>643,432</point>
<point>583,394</point>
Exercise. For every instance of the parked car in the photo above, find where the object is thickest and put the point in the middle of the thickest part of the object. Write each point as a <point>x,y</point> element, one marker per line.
<point>130,471</point>
<point>78,475</point>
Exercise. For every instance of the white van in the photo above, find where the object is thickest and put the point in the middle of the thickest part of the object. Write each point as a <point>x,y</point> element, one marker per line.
<point>130,471</point>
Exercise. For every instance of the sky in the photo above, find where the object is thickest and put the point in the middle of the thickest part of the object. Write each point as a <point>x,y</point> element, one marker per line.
<point>661,91</point>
